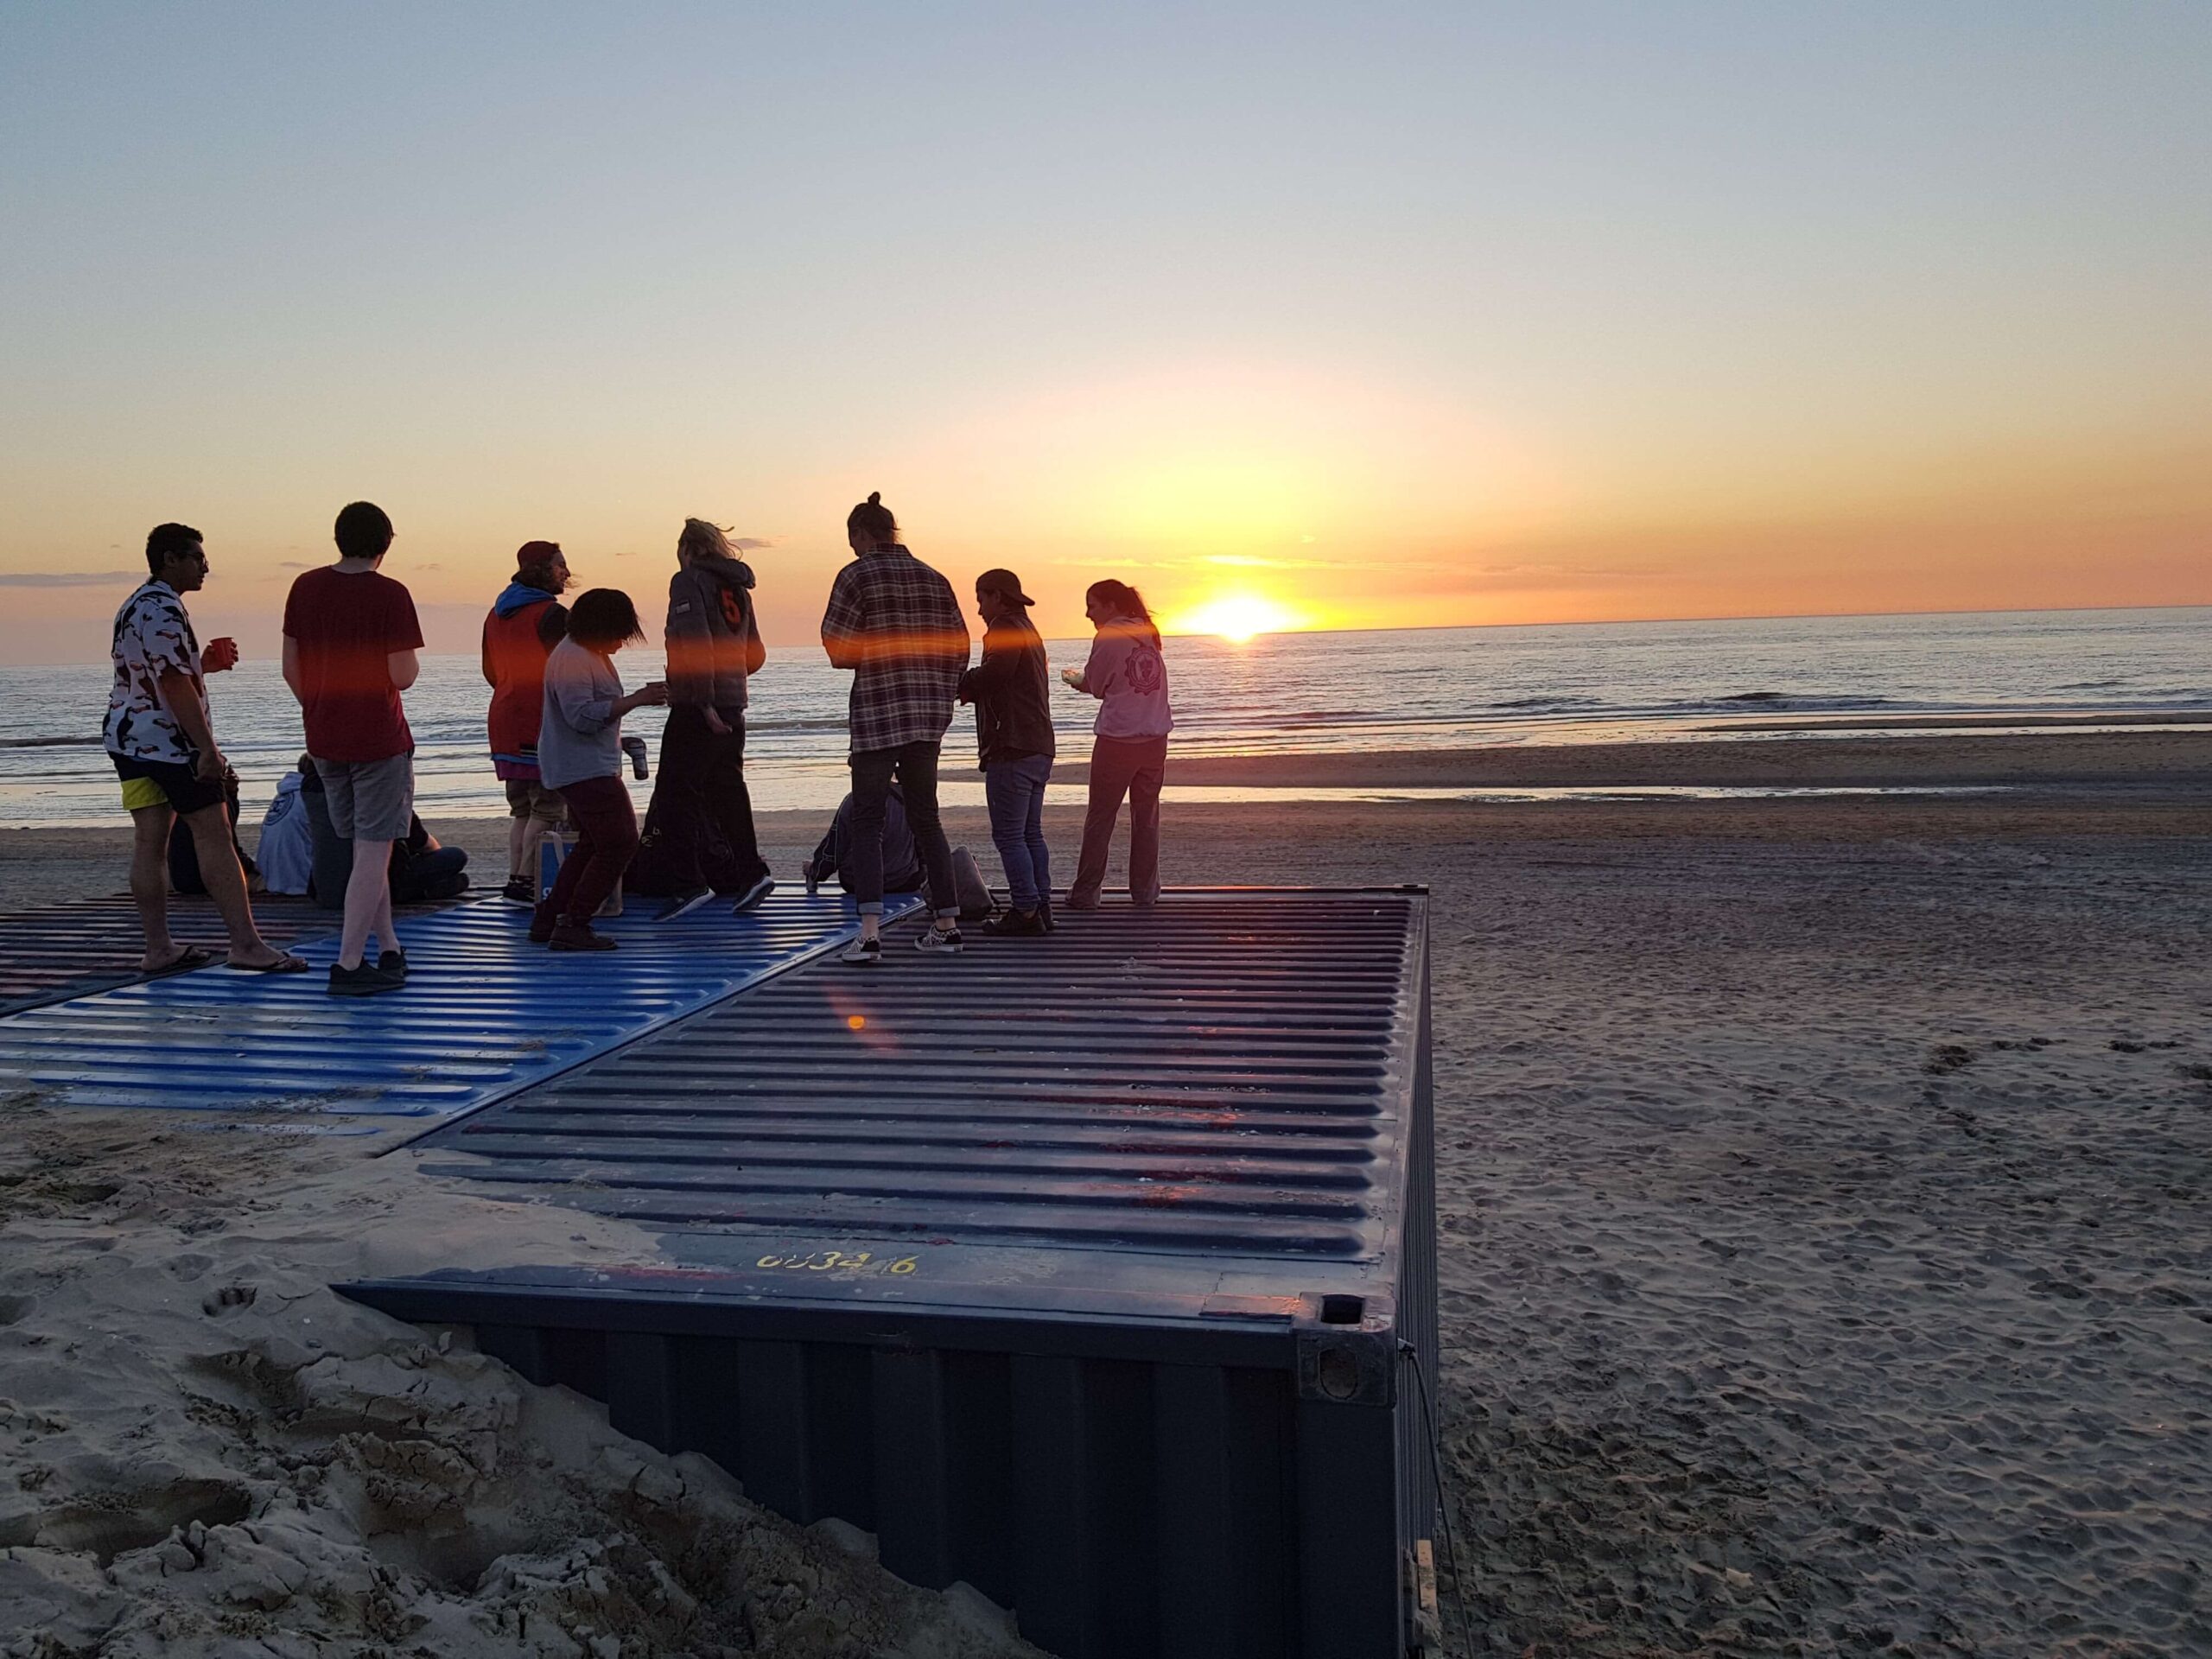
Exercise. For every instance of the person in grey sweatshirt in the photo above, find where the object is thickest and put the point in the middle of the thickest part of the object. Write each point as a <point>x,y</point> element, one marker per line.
<point>714,645</point>
<point>580,755</point>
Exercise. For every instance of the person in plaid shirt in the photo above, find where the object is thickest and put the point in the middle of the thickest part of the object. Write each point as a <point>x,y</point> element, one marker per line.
<point>894,622</point>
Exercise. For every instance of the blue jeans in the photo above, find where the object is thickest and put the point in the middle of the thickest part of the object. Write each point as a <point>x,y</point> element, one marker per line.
<point>1015,792</point>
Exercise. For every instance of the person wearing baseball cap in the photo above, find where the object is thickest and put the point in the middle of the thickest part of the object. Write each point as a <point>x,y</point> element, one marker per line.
<point>524,623</point>
<point>1011,688</point>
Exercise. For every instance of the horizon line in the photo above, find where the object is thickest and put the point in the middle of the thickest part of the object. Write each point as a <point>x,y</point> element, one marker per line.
<point>1449,627</point>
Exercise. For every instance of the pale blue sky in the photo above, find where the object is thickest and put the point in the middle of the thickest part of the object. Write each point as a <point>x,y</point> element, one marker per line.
<point>1642,266</point>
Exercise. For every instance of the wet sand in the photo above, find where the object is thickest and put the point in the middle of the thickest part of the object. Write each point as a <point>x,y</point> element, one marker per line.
<point>1825,1186</point>
<point>2057,760</point>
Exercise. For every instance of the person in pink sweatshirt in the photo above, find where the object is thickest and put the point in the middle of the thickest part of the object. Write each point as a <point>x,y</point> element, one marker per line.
<point>1128,676</point>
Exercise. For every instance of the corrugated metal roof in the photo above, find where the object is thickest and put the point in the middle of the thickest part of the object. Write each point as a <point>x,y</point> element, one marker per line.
<point>1218,1077</point>
<point>58,951</point>
<point>484,1013</point>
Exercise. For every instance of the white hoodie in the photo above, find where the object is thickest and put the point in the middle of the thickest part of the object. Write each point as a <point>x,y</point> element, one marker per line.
<point>1128,677</point>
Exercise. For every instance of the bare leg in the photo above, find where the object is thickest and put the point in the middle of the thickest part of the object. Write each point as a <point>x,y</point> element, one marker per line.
<point>387,935</point>
<point>535,830</point>
<point>518,834</point>
<point>368,901</point>
<point>219,869</point>
<point>149,884</point>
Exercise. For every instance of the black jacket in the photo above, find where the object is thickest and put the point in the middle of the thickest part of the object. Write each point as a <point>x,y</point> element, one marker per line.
<point>1011,689</point>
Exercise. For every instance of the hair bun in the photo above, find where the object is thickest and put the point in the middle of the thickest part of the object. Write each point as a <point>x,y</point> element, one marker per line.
<point>875,497</point>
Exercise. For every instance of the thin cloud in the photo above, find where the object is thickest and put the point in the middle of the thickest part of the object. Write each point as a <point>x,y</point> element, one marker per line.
<point>748,544</point>
<point>68,578</point>
<point>1564,570</point>
<point>293,565</point>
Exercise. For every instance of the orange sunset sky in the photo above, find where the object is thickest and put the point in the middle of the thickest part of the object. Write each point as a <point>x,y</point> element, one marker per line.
<point>1295,317</point>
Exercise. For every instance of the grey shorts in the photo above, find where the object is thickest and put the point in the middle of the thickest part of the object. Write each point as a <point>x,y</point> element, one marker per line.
<point>370,800</point>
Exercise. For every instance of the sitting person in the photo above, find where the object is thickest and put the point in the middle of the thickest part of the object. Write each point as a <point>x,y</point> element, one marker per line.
<point>420,869</point>
<point>184,851</point>
<point>902,861</point>
<point>287,848</point>
<point>423,868</point>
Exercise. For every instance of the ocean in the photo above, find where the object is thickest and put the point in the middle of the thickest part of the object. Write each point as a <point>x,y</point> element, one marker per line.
<point>1444,688</point>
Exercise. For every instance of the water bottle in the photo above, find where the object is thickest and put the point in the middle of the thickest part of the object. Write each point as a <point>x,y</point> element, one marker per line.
<point>635,749</point>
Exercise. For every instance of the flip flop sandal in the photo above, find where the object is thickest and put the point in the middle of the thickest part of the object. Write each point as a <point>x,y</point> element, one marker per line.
<point>184,960</point>
<point>285,963</point>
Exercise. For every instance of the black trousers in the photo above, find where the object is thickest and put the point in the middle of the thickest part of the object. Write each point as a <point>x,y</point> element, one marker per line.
<point>702,782</point>
<point>915,767</point>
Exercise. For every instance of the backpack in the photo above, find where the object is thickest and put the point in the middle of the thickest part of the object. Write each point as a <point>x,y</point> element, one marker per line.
<point>976,900</point>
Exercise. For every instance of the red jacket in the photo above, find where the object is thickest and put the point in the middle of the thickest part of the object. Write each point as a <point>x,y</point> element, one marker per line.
<point>516,646</point>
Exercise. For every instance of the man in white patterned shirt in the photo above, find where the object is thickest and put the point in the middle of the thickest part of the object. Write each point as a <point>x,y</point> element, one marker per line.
<point>160,737</point>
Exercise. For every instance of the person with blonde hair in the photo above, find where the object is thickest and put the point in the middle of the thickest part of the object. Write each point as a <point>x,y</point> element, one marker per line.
<point>713,646</point>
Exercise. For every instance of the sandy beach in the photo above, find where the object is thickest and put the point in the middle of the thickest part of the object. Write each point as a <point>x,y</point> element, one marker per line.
<point>1824,1194</point>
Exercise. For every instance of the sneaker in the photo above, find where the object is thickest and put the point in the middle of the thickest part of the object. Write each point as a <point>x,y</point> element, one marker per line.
<point>1045,916</point>
<point>578,936</point>
<point>685,903</point>
<point>1014,924</point>
<point>519,890</point>
<point>542,922</point>
<point>394,963</point>
<point>763,885</point>
<point>939,942</point>
<point>1083,901</point>
<point>364,980</point>
<point>863,953</point>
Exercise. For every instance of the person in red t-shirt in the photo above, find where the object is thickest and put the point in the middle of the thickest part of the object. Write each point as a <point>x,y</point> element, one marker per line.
<point>350,645</point>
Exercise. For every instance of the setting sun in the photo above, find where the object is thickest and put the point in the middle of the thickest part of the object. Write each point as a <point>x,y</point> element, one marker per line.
<point>1237,617</point>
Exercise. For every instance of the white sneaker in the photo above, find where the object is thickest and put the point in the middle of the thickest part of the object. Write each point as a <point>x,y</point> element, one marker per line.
<point>863,953</point>
<point>935,942</point>
<point>685,903</point>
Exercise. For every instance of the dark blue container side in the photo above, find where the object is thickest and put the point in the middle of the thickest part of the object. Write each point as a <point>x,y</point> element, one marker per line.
<point>1088,1269</point>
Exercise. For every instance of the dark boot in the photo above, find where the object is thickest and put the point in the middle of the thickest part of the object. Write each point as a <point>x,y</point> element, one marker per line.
<point>578,936</point>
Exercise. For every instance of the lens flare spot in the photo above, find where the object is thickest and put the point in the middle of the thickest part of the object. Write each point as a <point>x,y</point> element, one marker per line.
<point>857,1021</point>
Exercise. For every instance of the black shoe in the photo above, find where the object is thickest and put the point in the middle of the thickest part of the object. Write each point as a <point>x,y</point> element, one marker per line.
<point>394,965</point>
<point>520,890</point>
<point>685,903</point>
<point>1015,924</point>
<point>542,922</point>
<point>940,941</point>
<point>364,980</point>
<point>763,885</point>
<point>578,936</point>
<point>1045,922</point>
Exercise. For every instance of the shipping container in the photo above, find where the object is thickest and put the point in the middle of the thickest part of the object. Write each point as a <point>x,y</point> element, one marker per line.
<point>1096,1269</point>
<point>486,1014</point>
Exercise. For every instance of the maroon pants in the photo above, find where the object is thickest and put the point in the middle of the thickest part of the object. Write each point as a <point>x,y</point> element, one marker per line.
<point>1119,766</point>
<point>607,840</point>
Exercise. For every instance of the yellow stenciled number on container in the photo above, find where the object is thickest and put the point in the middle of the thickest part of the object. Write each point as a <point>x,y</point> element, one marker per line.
<point>840,1261</point>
